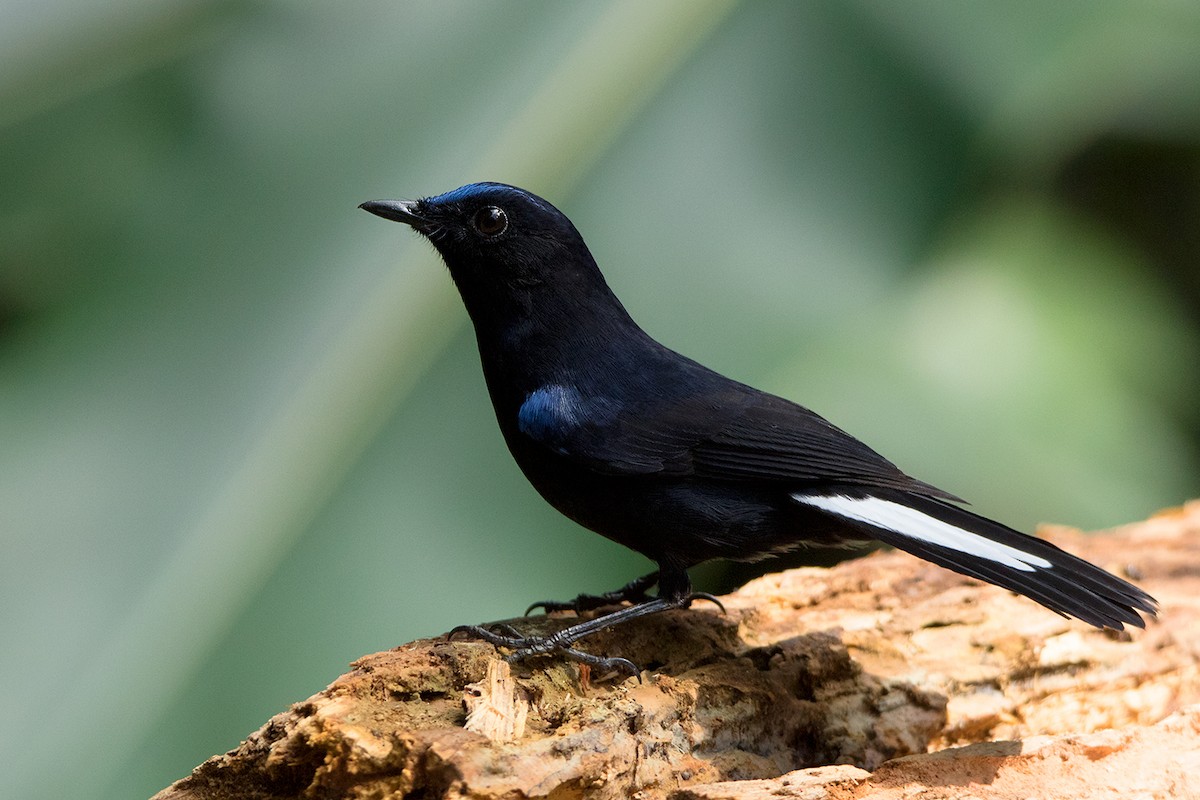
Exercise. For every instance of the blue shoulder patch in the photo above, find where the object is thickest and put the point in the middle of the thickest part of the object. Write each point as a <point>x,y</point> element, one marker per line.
<point>549,412</point>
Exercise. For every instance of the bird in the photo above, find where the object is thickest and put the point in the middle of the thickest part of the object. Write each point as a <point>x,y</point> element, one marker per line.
<point>669,458</point>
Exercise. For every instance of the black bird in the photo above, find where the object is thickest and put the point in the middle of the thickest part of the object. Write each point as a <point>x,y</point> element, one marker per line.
<point>667,457</point>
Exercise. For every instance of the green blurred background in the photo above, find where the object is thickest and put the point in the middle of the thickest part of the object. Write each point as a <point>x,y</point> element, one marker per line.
<point>245,437</point>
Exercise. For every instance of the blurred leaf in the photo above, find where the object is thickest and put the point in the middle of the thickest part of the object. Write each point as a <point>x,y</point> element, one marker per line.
<point>985,379</point>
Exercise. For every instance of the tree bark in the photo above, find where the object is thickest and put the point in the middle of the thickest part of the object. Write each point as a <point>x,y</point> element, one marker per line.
<point>883,677</point>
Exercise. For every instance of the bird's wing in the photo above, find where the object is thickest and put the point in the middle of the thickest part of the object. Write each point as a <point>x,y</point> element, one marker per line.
<point>727,432</point>
<point>775,440</point>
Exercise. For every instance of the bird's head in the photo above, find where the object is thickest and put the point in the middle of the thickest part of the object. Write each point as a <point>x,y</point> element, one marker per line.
<point>494,235</point>
<point>518,262</point>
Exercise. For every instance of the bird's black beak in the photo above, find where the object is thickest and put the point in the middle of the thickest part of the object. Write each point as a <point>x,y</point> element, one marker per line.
<point>396,210</point>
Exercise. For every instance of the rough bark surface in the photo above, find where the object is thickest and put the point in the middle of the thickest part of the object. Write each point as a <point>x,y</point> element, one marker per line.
<point>884,677</point>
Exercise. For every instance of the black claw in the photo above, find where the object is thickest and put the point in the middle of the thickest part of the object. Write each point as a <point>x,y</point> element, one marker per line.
<point>602,666</point>
<point>619,665</point>
<point>507,630</point>
<point>467,629</point>
<point>709,597</point>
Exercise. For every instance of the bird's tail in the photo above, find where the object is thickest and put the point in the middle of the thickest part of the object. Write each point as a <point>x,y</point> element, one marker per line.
<point>976,546</point>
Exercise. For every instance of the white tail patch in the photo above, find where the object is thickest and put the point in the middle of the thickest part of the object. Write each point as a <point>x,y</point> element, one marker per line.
<point>917,525</point>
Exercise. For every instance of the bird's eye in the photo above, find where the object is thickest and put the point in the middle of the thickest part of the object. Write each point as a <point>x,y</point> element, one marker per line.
<point>490,221</point>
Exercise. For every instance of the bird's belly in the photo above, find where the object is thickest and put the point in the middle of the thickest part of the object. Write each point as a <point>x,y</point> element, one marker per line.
<point>682,520</point>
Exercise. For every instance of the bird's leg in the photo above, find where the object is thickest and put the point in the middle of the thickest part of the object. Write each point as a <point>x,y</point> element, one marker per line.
<point>633,592</point>
<point>675,591</point>
<point>559,643</point>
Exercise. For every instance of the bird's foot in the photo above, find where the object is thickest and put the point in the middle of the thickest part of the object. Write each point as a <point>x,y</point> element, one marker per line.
<point>633,592</point>
<point>561,642</point>
<point>525,647</point>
